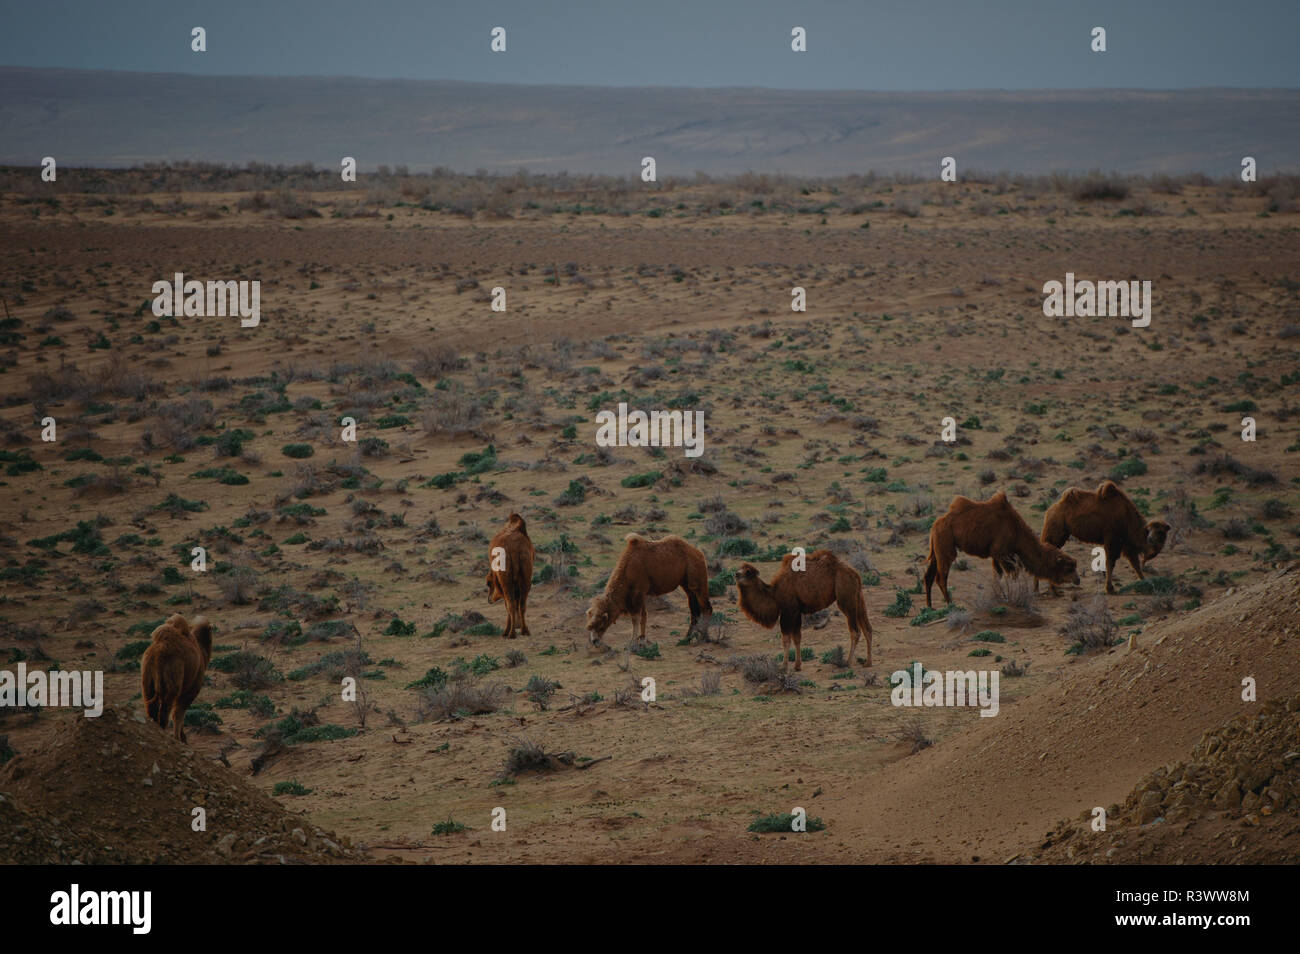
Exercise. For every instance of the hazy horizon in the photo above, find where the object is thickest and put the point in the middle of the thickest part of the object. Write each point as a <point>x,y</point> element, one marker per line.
<point>124,118</point>
<point>925,46</point>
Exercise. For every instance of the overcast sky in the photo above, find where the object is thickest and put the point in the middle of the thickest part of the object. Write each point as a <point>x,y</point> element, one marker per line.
<point>852,44</point>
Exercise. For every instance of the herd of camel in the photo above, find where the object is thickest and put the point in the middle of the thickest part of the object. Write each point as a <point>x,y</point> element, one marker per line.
<point>172,667</point>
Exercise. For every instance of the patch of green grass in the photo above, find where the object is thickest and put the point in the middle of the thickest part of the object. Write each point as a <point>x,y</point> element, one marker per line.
<point>293,787</point>
<point>648,479</point>
<point>434,679</point>
<point>929,615</point>
<point>783,824</point>
<point>902,605</point>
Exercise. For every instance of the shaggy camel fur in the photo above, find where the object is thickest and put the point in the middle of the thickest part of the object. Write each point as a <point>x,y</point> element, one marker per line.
<point>995,530</point>
<point>651,568</point>
<point>171,670</point>
<point>792,593</point>
<point>1106,517</point>
<point>514,581</point>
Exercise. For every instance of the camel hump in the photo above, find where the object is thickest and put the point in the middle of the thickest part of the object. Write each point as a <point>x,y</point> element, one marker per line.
<point>960,503</point>
<point>516,522</point>
<point>634,539</point>
<point>1108,489</point>
<point>1000,498</point>
<point>178,622</point>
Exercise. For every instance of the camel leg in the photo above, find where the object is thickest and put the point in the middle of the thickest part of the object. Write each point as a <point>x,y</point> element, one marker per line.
<point>523,607</point>
<point>853,642</point>
<point>178,728</point>
<point>1136,563</point>
<point>797,635</point>
<point>943,584</point>
<point>785,651</point>
<point>1111,560</point>
<point>931,572</point>
<point>695,614</point>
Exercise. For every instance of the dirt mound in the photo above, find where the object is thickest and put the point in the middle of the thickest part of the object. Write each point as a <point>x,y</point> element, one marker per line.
<point>1087,741</point>
<point>115,790</point>
<point>1236,800</point>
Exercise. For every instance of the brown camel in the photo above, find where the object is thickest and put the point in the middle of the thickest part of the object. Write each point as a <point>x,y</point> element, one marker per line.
<point>1109,518</point>
<point>512,552</point>
<point>825,580</point>
<point>651,568</point>
<point>995,530</point>
<point>171,670</point>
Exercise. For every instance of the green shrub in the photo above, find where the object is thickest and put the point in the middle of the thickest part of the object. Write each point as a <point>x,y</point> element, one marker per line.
<point>648,479</point>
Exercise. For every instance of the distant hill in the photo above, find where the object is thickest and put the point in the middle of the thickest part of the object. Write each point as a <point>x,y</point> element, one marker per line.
<point>117,118</point>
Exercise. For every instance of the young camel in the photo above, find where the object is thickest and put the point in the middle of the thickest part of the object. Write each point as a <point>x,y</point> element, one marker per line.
<point>512,550</point>
<point>171,670</point>
<point>824,580</point>
<point>995,530</point>
<point>651,568</point>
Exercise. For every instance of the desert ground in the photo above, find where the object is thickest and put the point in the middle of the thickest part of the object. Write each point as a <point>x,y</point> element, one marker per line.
<point>329,559</point>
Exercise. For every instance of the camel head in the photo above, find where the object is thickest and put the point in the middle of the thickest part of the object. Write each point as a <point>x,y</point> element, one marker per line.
<point>1059,567</point>
<point>748,573</point>
<point>599,618</point>
<point>494,593</point>
<point>1157,531</point>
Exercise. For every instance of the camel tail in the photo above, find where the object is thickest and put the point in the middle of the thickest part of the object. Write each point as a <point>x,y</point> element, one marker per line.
<point>932,560</point>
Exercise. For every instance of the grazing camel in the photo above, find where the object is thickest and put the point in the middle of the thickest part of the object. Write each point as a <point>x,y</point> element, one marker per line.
<point>651,568</point>
<point>825,580</point>
<point>512,552</point>
<point>1109,518</point>
<point>171,670</point>
<point>995,530</point>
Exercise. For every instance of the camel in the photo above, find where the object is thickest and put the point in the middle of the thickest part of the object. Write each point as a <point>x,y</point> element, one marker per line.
<point>171,670</point>
<point>651,568</point>
<point>995,530</point>
<point>825,580</point>
<point>513,582</point>
<point>1107,517</point>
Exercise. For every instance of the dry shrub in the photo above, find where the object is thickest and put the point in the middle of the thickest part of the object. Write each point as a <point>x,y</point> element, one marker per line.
<point>1013,590</point>
<point>913,734</point>
<point>458,699</point>
<point>453,414</point>
<point>1089,625</point>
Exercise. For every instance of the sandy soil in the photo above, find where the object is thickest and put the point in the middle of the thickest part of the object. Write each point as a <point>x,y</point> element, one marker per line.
<point>822,428</point>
